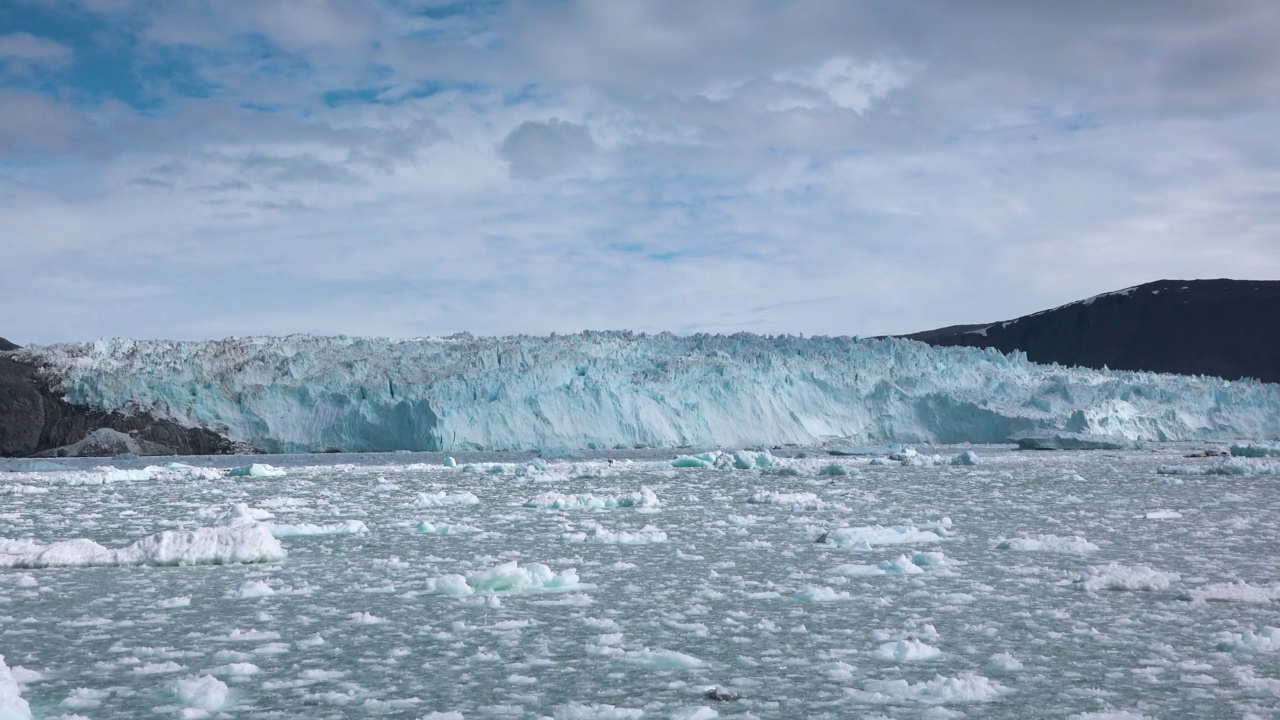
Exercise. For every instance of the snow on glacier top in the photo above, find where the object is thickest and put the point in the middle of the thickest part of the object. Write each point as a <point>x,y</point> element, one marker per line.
<point>618,389</point>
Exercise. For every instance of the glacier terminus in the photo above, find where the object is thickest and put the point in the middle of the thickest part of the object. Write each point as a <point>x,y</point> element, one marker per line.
<point>601,390</point>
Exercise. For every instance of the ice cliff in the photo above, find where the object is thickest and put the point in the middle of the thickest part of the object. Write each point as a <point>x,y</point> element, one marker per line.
<point>601,390</point>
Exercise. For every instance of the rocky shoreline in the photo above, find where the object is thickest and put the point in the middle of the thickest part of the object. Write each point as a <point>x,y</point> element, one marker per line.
<point>35,421</point>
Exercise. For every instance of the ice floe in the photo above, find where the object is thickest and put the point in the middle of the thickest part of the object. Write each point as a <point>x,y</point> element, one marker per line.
<point>12,704</point>
<point>346,527</point>
<point>1048,543</point>
<point>444,499</point>
<point>1114,576</point>
<point>257,470</point>
<point>1072,441</point>
<point>869,536</point>
<point>241,543</point>
<point>599,534</point>
<point>645,498</point>
<point>1226,466</point>
<point>1238,592</point>
<point>963,688</point>
<point>905,651</point>
<point>509,578</point>
<point>1266,640</point>
<point>432,528</point>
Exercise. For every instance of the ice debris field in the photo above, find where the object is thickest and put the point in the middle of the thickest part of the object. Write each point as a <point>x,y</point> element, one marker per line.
<point>622,390</point>
<point>943,582</point>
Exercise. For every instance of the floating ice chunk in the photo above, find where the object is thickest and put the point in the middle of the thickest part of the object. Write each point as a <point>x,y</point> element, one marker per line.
<point>748,460</point>
<point>577,711</point>
<point>661,659</point>
<point>12,706</point>
<point>441,499</point>
<point>430,528</point>
<point>1114,576</point>
<point>1162,515</point>
<point>1072,441</point>
<point>253,589</point>
<point>794,500</point>
<point>1256,450</point>
<point>506,579</point>
<point>909,650</point>
<point>834,469</point>
<point>1240,592</point>
<point>966,687</point>
<point>645,498</point>
<point>900,565</point>
<point>105,475</point>
<point>174,602</point>
<point>1048,543</point>
<point>968,457</point>
<point>697,712</point>
<point>450,462</point>
<point>1005,662</point>
<point>1265,640</point>
<point>245,543</point>
<point>1226,466</point>
<point>869,536</point>
<point>346,527</point>
<point>598,534</point>
<point>256,470</point>
<point>929,559</point>
<point>241,513</point>
<point>821,594</point>
<point>702,460</point>
<point>204,694</point>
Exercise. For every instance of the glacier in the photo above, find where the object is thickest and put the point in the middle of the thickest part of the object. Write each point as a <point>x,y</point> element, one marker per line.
<point>601,390</point>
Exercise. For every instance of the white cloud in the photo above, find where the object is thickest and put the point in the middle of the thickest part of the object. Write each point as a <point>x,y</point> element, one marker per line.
<point>816,166</point>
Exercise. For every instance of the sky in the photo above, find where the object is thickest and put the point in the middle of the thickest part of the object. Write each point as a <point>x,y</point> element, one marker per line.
<point>195,169</point>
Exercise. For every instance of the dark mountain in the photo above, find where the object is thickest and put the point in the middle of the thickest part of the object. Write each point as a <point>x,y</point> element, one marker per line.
<point>1228,328</point>
<point>6,346</point>
<point>36,419</point>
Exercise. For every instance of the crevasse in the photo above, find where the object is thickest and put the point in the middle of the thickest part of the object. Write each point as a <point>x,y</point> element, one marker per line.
<point>608,389</point>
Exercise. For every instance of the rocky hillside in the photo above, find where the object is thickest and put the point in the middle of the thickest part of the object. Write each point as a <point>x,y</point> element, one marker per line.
<point>34,420</point>
<point>1227,328</point>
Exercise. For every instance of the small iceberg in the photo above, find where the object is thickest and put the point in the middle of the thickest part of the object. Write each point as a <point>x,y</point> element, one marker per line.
<point>259,470</point>
<point>508,578</point>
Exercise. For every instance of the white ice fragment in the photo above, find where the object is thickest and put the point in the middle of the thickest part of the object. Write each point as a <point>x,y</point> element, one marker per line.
<point>12,705</point>
<point>508,578</point>
<point>868,536</point>
<point>793,500</point>
<point>441,499</point>
<point>1241,592</point>
<point>1114,576</point>
<point>1256,449</point>
<point>1266,640</point>
<point>909,650</point>
<point>203,693</point>
<point>966,687</point>
<point>578,711</point>
<point>252,589</point>
<point>645,498</point>
<point>1226,466</point>
<point>599,534</point>
<point>246,543</point>
<point>346,527</point>
<point>1048,543</point>
<point>1005,662</point>
<point>1059,440</point>
<point>430,528</point>
<point>1162,515</point>
<point>967,457</point>
<point>259,470</point>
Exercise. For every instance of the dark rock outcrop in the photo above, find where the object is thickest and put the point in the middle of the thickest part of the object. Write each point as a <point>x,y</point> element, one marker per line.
<point>34,418</point>
<point>6,346</point>
<point>1227,328</point>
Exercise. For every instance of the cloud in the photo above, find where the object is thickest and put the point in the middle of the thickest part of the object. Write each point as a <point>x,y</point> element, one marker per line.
<point>28,49</point>
<point>537,150</point>
<point>814,166</point>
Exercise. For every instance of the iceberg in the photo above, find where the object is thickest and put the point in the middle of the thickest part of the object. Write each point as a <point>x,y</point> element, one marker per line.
<point>1072,441</point>
<point>244,542</point>
<point>599,390</point>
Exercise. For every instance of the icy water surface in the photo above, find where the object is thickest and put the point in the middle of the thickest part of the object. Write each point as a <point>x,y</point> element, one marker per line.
<point>1030,585</point>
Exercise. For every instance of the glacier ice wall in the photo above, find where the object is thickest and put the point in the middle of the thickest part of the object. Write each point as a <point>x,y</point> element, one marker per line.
<point>601,390</point>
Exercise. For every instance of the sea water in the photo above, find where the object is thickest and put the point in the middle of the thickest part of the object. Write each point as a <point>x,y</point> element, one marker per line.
<point>1045,584</point>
